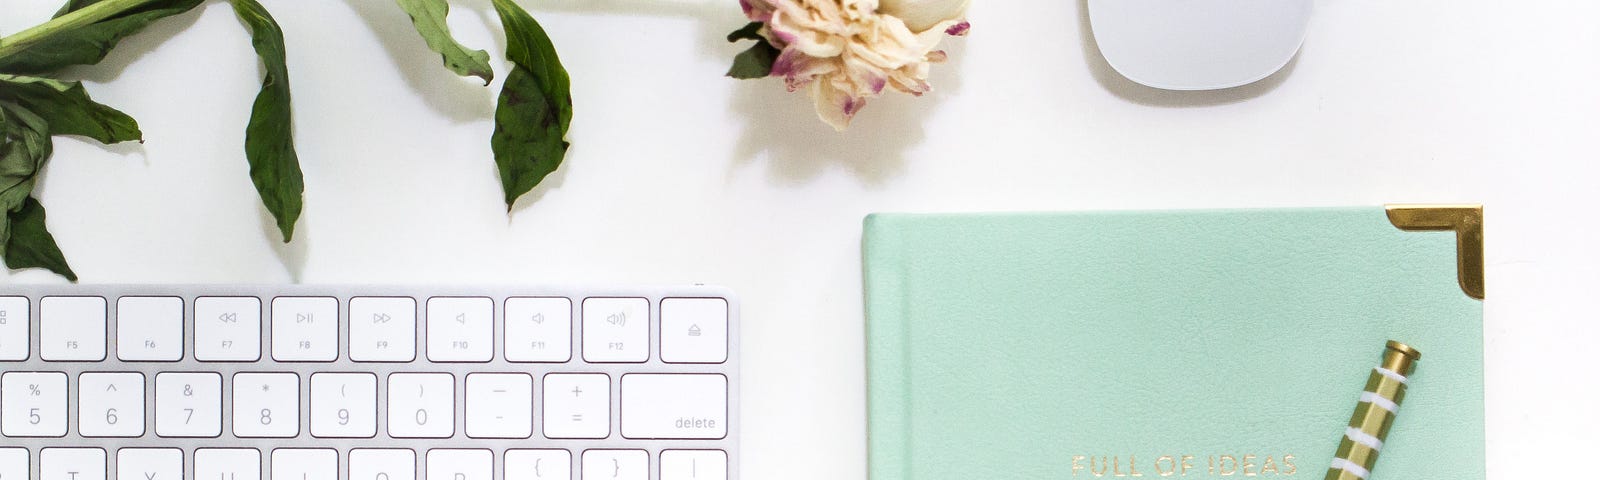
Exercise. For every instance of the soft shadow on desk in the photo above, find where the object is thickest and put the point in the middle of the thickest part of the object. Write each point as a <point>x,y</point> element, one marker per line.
<point>800,146</point>
<point>1114,82</point>
<point>293,254</point>
<point>135,47</point>
<point>717,17</point>
<point>129,50</point>
<point>462,99</point>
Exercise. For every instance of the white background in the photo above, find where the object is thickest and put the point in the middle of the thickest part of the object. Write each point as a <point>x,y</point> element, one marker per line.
<point>680,175</point>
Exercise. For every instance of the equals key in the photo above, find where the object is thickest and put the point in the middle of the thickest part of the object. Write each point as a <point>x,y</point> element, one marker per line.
<point>577,406</point>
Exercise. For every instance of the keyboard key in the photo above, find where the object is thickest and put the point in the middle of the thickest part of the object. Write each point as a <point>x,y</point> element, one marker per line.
<point>33,404</point>
<point>674,406</point>
<point>694,330</point>
<point>538,465</point>
<point>72,329</point>
<point>694,465</point>
<point>227,464</point>
<point>444,464</point>
<point>422,405</point>
<point>14,464</point>
<point>72,464</point>
<point>14,322</point>
<point>616,330</point>
<point>383,329</point>
<point>499,405</point>
<point>266,405</point>
<point>305,329</point>
<point>227,329</point>
<point>305,464</point>
<point>538,330</point>
<point>383,464</point>
<point>577,405</point>
<point>460,329</point>
<point>149,464</point>
<point>344,405</point>
<point>188,404</point>
<point>616,465</point>
<point>150,329</point>
<point>111,404</point>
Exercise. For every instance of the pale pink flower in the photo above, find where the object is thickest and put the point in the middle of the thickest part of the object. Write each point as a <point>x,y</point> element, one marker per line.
<point>844,52</point>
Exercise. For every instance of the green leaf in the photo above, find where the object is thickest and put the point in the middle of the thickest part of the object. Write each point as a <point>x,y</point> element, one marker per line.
<point>31,245</point>
<point>751,31</point>
<point>89,44</point>
<point>67,109</point>
<point>429,18</point>
<point>25,148</point>
<point>756,62</point>
<point>269,140</point>
<point>535,107</point>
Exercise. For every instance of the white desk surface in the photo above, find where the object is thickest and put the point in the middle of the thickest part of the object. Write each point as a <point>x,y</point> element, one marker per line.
<point>680,175</point>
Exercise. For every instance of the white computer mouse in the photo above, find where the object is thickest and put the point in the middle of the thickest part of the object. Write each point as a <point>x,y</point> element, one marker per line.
<point>1198,44</point>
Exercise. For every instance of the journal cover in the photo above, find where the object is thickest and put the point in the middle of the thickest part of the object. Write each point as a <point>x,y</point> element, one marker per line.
<point>1198,344</point>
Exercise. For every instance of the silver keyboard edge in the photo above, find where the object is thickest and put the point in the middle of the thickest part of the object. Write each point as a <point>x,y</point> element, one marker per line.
<point>499,294</point>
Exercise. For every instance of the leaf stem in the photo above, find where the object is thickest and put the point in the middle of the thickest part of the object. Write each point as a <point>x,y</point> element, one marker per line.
<point>77,18</point>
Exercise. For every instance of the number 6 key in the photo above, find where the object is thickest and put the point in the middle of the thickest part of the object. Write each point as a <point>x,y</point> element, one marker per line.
<point>106,399</point>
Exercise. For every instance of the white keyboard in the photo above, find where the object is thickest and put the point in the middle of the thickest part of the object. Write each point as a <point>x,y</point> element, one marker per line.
<point>368,383</point>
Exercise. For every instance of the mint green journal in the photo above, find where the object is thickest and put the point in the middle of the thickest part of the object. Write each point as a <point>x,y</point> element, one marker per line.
<point>1185,344</point>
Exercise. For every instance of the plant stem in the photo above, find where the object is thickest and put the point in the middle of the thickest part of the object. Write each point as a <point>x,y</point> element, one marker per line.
<point>77,18</point>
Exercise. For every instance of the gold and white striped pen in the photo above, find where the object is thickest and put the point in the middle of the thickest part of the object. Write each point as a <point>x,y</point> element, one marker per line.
<point>1369,426</point>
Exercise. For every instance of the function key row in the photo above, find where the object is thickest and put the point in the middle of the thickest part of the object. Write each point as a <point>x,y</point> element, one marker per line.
<point>380,329</point>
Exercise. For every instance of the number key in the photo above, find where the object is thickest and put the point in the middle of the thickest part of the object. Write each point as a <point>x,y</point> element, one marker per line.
<point>421,405</point>
<point>266,405</point>
<point>111,404</point>
<point>344,405</point>
<point>33,404</point>
<point>188,404</point>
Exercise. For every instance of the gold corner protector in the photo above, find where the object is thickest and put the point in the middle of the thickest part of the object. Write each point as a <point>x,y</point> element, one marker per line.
<point>1465,220</point>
